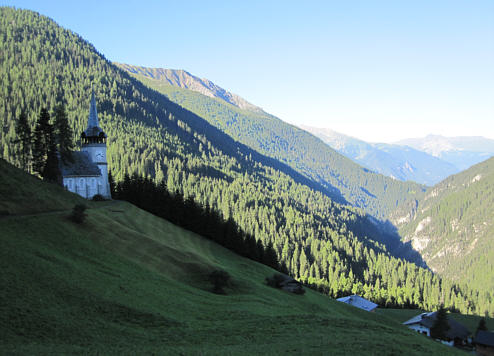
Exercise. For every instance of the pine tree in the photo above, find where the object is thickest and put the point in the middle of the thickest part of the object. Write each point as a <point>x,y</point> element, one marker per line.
<point>441,325</point>
<point>482,326</point>
<point>43,133</point>
<point>24,141</point>
<point>63,133</point>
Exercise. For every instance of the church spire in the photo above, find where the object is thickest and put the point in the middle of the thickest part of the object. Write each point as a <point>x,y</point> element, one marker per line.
<point>93,114</point>
<point>93,133</point>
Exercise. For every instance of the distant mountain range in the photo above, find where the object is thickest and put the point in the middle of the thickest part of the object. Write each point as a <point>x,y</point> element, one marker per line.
<point>463,151</point>
<point>425,160</point>
<point>400,162</point>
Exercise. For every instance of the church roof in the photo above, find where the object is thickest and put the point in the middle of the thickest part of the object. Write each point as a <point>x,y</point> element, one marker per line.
<point>93,129</point>
<point>81,165</point>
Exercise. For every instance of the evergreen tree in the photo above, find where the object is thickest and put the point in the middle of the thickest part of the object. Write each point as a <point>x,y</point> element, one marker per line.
<point>63,133</point>
<point>24,141</point>
<point>43,134</point>
<point>482,326</point>
<point>441,325</point>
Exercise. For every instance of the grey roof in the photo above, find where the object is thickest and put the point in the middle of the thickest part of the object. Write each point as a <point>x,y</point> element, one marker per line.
<point>80,166</point>
<point>456,330</point>
<point>93,129</point>
<point>359,302</point>
<point>484,338</point>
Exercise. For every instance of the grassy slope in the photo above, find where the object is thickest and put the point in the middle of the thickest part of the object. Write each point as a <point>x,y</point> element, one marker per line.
<point>127,282</point>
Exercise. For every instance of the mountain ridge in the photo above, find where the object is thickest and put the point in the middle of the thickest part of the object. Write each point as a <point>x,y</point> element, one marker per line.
<point>451,226</point>
<point>183,79</point>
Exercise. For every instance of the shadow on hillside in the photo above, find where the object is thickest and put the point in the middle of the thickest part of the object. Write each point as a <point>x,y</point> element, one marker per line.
<point>197,126</point>
<point>392,240</point>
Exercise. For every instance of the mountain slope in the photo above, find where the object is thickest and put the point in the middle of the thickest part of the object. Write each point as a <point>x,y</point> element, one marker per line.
<point>400,162</point>
<point>344,180</point>
<point>183,79</point>
<point>463,152</point>
<point>126,282</point>
<point>452,226</point>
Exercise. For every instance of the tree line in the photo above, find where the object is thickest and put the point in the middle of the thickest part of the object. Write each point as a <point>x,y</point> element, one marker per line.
<point>187,213</point>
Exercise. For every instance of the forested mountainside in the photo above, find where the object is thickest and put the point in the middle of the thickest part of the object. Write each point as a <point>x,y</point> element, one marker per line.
<point>462,151</point>
<point>378,195</point>
<point>183,79</point>
<point>452,226</point>
<point>400,162</point>
<point>321,242</point>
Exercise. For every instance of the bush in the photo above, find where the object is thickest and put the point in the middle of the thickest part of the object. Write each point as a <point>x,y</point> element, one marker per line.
<point>78,213</point>
<point>98,197</point>
<point>276,280</point>
<point>220,279</point>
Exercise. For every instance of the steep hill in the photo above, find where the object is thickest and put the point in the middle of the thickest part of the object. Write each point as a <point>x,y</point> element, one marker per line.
<point>183,79</point>
<point>397,161</point>
<point>452,226</point>
<point>126,282</point>
<point>463,152</point>
<point>329,245</point>
<point>309,156</point>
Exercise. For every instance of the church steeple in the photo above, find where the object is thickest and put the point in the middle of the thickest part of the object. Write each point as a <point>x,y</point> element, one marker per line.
<point>93,133</point>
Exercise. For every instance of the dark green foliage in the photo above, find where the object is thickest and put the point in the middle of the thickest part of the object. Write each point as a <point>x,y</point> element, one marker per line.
<point>482,326</point>
<point>43,139</point>
<point>63,133</point>
<point>441,325</point>
<point>220,279</point>
<point>98,197</point>
<point>275,280</point>
<point>329,246</point>
<point>23,142</point>
<point>78,213</point>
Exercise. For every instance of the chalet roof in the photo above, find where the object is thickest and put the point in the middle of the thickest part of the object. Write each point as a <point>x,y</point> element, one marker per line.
<point>456,330</point>
<point>484,338</point>
<point>81,165</point>
<point>93,129</point>
<point>359,302</point>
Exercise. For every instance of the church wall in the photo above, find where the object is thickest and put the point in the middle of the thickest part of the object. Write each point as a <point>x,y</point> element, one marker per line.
<point>86,186</point>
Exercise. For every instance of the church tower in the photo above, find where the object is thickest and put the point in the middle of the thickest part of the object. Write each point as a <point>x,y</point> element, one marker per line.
<point>94,143</point>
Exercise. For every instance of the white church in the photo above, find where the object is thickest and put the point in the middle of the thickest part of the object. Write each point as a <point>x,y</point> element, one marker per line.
<point>87,175</point>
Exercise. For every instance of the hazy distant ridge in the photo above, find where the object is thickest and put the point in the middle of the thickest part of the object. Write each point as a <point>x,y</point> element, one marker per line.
<point>462,151</point>
<point>400,162</point>
<point>183,79</point>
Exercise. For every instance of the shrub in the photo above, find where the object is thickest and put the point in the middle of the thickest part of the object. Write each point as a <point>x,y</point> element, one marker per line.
<point>78,213</point>
<point>98,197</point>
<point>275,281</point>
<point>220,279</point>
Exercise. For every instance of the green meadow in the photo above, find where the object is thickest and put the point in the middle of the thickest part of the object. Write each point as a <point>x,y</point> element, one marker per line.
<point>127,282</point>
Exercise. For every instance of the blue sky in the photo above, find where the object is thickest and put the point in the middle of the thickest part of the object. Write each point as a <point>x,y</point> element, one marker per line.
<point>376,70</point>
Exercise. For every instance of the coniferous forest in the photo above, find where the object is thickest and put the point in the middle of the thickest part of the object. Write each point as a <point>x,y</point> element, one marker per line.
<point>320,241</point>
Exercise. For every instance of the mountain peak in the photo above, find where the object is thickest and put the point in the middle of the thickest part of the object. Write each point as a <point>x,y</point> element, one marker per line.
<point>183,79</point>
